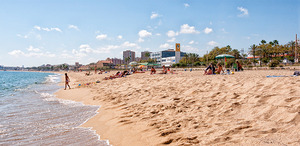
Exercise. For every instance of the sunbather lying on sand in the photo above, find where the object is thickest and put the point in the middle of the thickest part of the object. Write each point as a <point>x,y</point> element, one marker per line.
<point>118,75</point>
<point>113,76</point>
<point>173,72</point>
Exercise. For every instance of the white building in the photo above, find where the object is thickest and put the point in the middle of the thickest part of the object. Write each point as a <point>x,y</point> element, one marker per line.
<point>168,61</point>
<point>162,57</point>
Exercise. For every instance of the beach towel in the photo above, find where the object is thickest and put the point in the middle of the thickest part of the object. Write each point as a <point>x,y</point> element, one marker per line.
<point>274,76</point>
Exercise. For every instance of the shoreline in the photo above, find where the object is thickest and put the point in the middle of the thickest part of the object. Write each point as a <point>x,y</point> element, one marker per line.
<point>245,108</point>
<point>103,123</point>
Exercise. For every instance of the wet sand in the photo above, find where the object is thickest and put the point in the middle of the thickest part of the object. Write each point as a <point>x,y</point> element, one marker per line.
<point>188,108</point>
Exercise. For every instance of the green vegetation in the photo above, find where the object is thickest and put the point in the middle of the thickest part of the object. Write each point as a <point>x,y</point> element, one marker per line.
<point>269,54</point>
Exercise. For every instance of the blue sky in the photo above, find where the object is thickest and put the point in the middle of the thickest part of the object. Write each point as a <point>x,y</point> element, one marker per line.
<point>36,32</point>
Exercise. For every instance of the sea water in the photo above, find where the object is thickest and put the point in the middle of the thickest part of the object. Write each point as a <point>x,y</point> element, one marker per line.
<point>31,115</point>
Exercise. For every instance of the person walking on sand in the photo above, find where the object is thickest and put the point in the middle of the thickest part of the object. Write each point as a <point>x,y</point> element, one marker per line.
<point>67,81</point>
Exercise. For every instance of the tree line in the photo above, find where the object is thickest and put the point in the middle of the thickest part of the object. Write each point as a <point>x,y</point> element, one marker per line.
<point>271,54</point>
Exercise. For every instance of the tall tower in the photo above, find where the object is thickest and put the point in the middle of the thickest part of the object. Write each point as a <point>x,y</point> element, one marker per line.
<point>177,52</point>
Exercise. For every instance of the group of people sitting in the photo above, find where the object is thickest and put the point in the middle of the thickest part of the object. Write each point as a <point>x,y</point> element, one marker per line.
<point>133,71</point>
<point>164,70</point>
<point>212,70</point>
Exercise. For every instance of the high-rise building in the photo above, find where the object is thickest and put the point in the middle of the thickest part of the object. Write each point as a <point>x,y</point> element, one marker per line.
<point>144,56</point>
<point>77,64</point>
<point>116,61</point>
<point>128,56</point>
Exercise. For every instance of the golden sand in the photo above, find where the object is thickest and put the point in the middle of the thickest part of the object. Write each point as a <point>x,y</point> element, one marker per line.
<point>188,108</point>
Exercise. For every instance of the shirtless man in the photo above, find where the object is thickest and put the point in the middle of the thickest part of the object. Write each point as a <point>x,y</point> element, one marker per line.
<point>153,71</point>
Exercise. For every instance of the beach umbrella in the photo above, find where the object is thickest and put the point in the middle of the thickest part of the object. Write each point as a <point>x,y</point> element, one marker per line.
<point>145,63</point>
<point>133,63</point>
<point>141,66</point>
<point>224,56</point>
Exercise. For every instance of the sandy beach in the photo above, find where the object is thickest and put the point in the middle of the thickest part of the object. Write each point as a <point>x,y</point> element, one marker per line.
<point>188,108</point>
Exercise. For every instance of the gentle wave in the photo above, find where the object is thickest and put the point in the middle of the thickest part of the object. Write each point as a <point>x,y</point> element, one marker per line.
<point>34,116</point>
<point>53,78</point>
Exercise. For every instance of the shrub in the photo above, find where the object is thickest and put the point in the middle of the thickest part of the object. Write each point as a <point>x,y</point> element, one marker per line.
<point>198,63</point>
<point>274,63</point>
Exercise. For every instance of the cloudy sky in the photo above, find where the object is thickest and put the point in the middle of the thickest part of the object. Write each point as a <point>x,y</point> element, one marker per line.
<point>36,32</point>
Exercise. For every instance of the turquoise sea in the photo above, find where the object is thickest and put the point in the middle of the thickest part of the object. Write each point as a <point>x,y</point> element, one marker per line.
<point>31,115</point>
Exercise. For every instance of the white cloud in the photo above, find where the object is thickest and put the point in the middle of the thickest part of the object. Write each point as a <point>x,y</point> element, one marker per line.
<point>33,52</point>
<point>25,36</point>
<point>208,30</point>
<point>101,36</point>
<point>144,33</point>
<point>47,29</point>
<point>191,42</point>
<point>244,11</point>
<point>16,53</point>
<point>56,29</point>
<point>128,44</point>
<point>78,54</point>
<point>165,46</point>
<point>73,27</point>
<point>32,49</point>
<point>85,48</point>
<point>120,37</point>
<point>172,33</point>
<point>186,5</point>
<point>37,27</point>
<point>212,43</point>
<point>171,40</point>
<point>158,34</point>
<point>141,40</point>
<point>185,28</point>
<point>154,15</point>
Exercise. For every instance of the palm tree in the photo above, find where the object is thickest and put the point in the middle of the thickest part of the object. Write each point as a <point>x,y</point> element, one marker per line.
<point>253,49</point>
<point>193,57</point>
<point>127,59</point>
<point>235,53</point>
<point>186,58</point>
<point>147,54</point>
<point>275,42</point>
<point>263,42</point>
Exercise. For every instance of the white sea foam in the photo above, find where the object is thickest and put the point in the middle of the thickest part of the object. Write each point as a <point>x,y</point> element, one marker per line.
<point>51,97</point>
<point>53,78</point>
